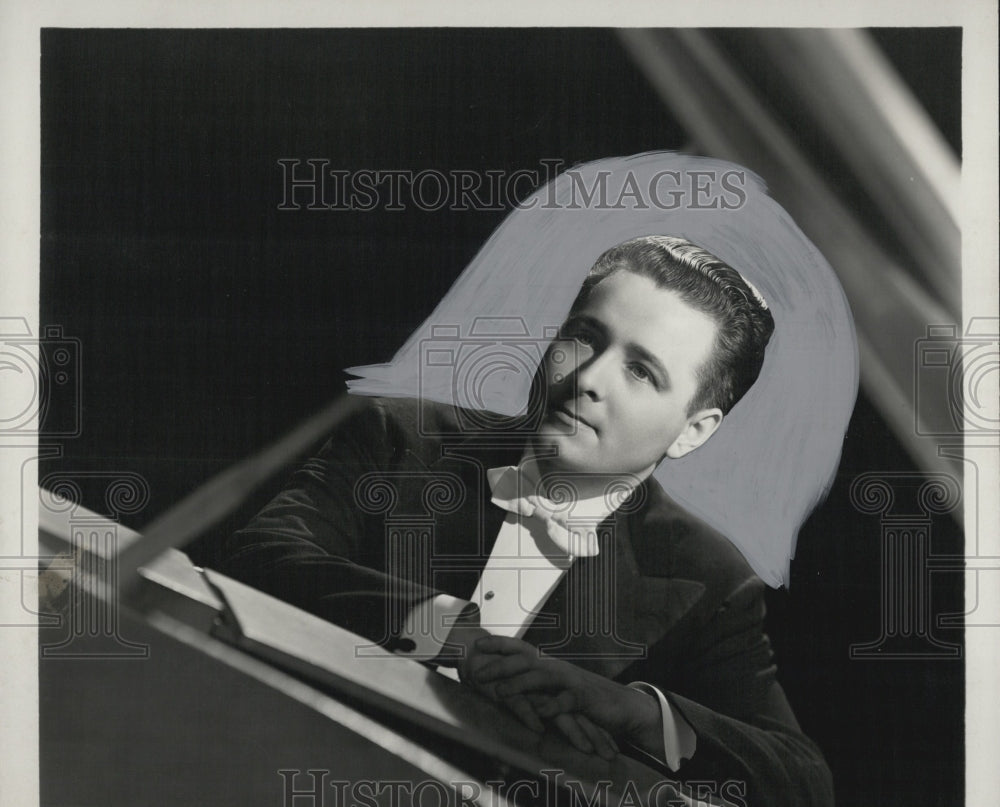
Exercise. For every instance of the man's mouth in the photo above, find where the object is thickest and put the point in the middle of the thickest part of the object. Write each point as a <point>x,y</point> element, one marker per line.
<point>572,418</point>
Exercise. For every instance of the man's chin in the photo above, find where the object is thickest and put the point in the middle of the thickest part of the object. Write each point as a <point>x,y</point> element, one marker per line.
<point>558,432</point>
<point>568,446</point>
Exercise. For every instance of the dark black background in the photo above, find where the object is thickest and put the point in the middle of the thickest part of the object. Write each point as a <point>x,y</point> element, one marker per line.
<point>210,322</point>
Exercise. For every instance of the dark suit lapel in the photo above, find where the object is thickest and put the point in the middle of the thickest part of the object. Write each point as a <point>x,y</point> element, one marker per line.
<point>464,536</point>
<point>611,609</point>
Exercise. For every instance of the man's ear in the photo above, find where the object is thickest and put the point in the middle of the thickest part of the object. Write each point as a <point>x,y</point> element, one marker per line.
<point>700,426</point>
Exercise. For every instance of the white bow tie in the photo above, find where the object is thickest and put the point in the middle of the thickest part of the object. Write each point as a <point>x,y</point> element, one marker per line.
<point>516,491</point>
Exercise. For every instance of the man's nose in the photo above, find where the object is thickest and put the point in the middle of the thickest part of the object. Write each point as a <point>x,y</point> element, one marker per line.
<point>592,376</point>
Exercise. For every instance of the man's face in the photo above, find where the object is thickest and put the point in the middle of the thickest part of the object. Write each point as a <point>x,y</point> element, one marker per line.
<point>620,378</point>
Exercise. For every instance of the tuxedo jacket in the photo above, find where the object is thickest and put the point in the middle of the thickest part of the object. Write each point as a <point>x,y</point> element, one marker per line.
<point>395,508</point>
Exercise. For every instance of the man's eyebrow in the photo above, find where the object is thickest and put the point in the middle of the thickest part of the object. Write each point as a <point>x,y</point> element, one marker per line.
<point>586,319</point>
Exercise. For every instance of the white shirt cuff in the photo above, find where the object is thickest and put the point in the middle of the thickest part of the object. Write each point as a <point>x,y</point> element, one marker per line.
<point>427,626</point>
<point>679,739</point>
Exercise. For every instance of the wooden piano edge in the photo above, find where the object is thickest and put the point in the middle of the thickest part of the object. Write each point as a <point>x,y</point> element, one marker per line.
<point>175,600</point>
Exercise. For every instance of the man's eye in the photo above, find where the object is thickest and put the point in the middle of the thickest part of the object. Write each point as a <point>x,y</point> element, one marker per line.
<point>580,335</point>
<point>640,372</point>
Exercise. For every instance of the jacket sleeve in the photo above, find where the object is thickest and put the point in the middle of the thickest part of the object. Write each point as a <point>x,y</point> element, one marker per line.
<point>749,743</point>
<point>315,546</point>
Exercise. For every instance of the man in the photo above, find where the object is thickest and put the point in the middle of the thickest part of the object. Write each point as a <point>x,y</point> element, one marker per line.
<point>546,533</point>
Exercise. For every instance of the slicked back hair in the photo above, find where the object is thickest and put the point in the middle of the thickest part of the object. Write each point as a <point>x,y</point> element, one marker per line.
<point>707,284</point>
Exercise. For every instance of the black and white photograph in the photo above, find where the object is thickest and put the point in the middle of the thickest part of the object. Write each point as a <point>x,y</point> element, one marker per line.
<point>459,409</point>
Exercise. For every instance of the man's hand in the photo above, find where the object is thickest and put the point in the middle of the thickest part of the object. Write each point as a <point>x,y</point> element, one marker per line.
<point>460,647</point>
<point>558,690</point>
<point>466,638</point>
<point>461,651</point>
